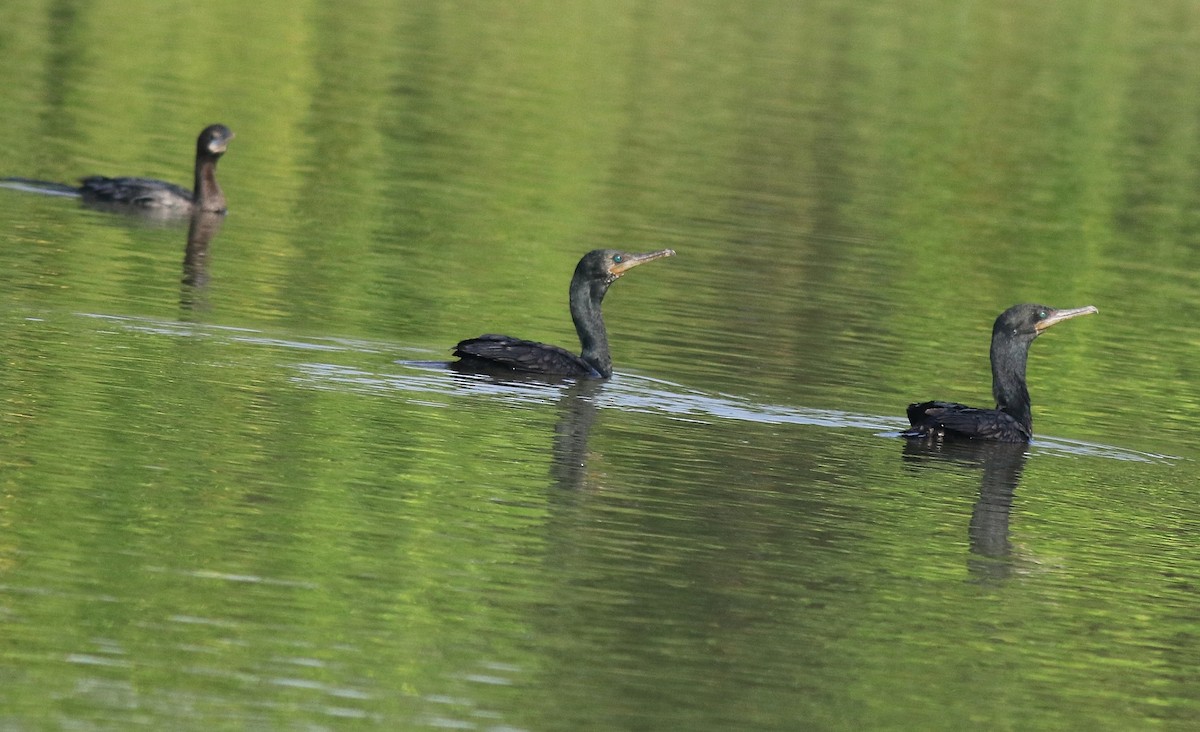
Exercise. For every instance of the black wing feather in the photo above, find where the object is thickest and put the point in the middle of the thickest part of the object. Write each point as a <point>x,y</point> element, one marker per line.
<point>522,355</point>
<point>147,192</point>
<point>950,419</point>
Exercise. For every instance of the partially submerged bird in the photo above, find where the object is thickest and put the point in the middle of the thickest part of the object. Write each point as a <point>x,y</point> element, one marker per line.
<point>1012,419</point>
<point>205,195</point>
<point>147,195</point>
<point>595,272</point>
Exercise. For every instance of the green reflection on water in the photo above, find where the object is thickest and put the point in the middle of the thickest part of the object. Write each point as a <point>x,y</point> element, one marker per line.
<point>195,535</point>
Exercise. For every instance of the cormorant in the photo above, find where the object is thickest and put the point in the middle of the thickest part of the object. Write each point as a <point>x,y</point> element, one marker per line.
<point>205,195</point>
<point>148,195</point>
<point>595,272</point>
<point>1011,420</point>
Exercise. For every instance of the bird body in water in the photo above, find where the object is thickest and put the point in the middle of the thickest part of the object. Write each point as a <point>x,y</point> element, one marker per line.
<point>595,272</point>
<point>1012,419</point>
<point>205,195</point>
<point>148,194</point>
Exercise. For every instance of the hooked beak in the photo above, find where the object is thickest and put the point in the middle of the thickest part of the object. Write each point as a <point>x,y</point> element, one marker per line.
<point>632,260</point>
<point>1058,316</point>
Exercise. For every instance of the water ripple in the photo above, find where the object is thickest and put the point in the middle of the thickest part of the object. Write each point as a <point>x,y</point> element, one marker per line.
<point>647,395</point>
<point>424,382</point>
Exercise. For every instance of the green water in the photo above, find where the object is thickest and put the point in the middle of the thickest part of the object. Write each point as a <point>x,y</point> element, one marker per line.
<point>234,493</point>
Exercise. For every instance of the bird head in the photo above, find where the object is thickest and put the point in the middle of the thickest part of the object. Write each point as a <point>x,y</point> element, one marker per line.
<point>1029,320</point>
<point>214,139</point>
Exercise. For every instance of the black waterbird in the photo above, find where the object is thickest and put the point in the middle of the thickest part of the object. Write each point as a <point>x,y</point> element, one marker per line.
<point>148,195</point>
<point>1012,419</point>
<point>597,270</point>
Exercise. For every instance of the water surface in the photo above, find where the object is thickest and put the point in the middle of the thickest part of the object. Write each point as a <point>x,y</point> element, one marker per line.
<point>239,490</point>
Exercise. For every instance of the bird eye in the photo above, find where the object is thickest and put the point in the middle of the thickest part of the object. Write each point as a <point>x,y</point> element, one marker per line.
<point>1042,314</point>
<point>617,258</point>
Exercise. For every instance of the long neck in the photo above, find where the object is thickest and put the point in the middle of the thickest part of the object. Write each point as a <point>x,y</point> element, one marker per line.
<point>206,193</point>
<point>1008,378</point>
<point>586,296</point>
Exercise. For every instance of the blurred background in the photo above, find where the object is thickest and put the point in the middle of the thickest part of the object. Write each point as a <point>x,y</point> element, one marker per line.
<point>235,493</point>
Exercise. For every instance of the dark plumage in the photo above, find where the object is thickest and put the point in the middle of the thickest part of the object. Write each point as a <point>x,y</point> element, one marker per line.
<point>205,195</point>
<point>1012,419</point>
<point>146,195</point>
<point>595,272</point>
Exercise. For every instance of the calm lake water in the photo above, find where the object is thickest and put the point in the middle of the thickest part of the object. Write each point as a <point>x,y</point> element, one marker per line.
<point>237,490</point>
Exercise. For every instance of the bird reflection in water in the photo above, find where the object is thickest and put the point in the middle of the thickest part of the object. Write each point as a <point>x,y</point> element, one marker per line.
<point>577,405</point>
<point>202,228</point>
<point>569,458</point>
<point>1001,464</point>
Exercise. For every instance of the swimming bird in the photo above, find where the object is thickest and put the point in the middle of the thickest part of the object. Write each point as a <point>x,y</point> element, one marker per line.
<point>147,195</point>
<point>205,195</point>
<point>1012,419</point>
<point>597,270</point>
